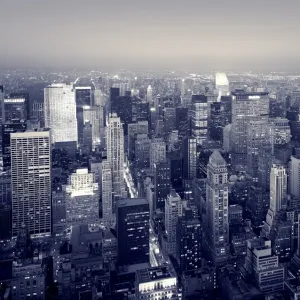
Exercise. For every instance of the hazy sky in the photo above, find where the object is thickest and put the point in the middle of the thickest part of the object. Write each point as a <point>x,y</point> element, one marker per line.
<point>174,34</point>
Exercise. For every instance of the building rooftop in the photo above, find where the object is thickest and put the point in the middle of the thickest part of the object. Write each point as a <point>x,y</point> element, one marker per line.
<point>153,274</point>
<point>132,202</point>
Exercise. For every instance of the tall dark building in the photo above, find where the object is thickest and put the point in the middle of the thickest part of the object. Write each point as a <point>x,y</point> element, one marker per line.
<point>5,208</point>
<point>189,241</point>
<point>114,94</point>
<point>143,111</point>
<point>133,231</point>
<point>182,123</point>
<point>189,158</point>
<point>14,108</point>
<point>162,183</point>
<point>216,122</point>
<point>122,106</point>
<point>176,169</point>
<point>24,95</point>
<point>15,125</point>
<point>226,109</point>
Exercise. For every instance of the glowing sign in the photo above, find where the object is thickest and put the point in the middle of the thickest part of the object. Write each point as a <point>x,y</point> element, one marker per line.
<point>21,100</point>
<point>254,97</point>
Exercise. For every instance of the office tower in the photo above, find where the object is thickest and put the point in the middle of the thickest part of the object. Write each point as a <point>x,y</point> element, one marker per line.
<point>82,198</point>
<point>132,231</point>
<point>222,85</point>
<point>246,107</point>
<point>281,131</point>
<point>94,115</point>
<point>107,209</point>
<point>259,138</point>
<point>31,181</point>
<point>83,97</point>
<point>182,92</point>
<point>58,211</point>
<point>217,231</point>
<point>115,153</point>
<point>175,160</point>
<point>87,141</point>
<point>15,125</point>
<point>295,101</point>
<point>99,99</point>
<point>5,208</point>
<point>199,118</point>
<point>14,108</point>
<point>162,184</point>
<point>142,111</point>
<point>37,112</point>
<point>157,152</point>
<point>215,124</point>
<point>278,194</point>
<point>114,94</point>
<point>262,266</point>
<point>173,210</point>
<point>189,241</point>
<point>227,138</point>
<point>294,178</point>
<point>140,127</point>
<point>189,158</point>
<point>182,123</point>
<point>149,95</point>
<point>122,106</point>
<point>156,283</point>
<point>142,151</point>
<point>60,114</point>
<point>226,109</point>
<point>169,119</point>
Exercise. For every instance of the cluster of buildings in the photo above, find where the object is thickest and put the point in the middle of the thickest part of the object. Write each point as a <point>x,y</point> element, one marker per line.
<point>116,190</point>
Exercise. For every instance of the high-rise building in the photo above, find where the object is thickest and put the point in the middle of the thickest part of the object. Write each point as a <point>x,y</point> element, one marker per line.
<point>189,241</point>
<point>294,178</point>
<point>115,153</point>
<point>31,181</point>
<point>60,113</point>
<point>107,209</point>
<point>259,138</point>
<point>133,231</point>
<point>14,108</point>
<point>157,283</point>
<point>157,152</point>
<point>173,210</point>
<point>82,198</point>
<point>182,123</point>
<point>246,107</point>
<point>217,229</point>
<point>169,119</point>
<point>189,158</point>
<point>15,125</point>
<point>199,118</point>
<point>278,194</point>
<point>142,151</point>
<point>94,115</point>
<point>222,85</point>
<point>162,184</point>
<point>149,95</point>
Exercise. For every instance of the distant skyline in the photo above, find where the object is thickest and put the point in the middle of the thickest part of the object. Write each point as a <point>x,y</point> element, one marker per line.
<point>200,35</point>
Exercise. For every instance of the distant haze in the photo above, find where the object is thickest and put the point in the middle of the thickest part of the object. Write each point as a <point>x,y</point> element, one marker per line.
<point>175,34</point>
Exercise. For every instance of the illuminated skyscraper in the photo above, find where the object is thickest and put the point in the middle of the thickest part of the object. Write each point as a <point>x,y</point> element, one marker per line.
<point>14,108</point>
<point>31,181</point>
<point>199,118</point>
<point>115,153</point>
<point>246,107</point>
<point>217,227</point>
<point>60,113</point>
<point>222,85</point>
<point>149,95</point>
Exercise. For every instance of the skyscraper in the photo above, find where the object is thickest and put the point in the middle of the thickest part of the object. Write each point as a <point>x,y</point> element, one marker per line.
<point>31,181</point>
<point>60,113</point>
<point>217,230</point>
<point>115,153</point>
<point>157,152</point>
<point>295,176</point>
<point>173,210</point>
<point>149,95</point>
<point>182,123</point>
<point>133,231</point>
<point>199,118</point>
<point>246,107</point>
<point>189,158</point>
<point>14,108</point>
<point>107,208</point>
<point>222,85</point>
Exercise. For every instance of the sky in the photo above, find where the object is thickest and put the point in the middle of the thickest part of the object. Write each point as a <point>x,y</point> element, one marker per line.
<point>199,35</point>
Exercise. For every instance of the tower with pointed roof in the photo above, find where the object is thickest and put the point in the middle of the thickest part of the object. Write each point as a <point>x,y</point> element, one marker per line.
<point>217,227</point>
